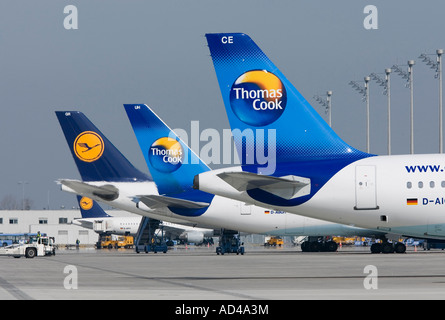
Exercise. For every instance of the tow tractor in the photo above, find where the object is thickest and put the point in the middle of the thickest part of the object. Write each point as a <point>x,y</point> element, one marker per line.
<point>36,247</point>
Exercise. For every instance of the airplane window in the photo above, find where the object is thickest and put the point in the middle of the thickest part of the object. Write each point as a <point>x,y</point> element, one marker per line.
<point>420,184</point>
<point>442,184</point>
<point>432,184</point>
<point>409,185</point>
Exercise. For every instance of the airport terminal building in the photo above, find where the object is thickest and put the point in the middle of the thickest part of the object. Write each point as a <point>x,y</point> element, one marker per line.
<point>55,223</point>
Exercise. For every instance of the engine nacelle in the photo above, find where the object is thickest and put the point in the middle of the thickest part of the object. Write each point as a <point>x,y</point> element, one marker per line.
<point>193,236</point>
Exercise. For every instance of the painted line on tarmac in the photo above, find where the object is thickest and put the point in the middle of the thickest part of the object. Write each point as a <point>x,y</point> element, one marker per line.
<point>176,281</point>
<point>14,291</point>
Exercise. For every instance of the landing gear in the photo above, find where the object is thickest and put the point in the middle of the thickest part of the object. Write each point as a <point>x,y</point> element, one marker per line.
<point>229,242</point>
<point>319,246</point>
<point>388,247</point>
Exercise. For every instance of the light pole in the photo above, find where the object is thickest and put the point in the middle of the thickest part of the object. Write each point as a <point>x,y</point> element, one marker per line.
<point>329,100</point>
<point>410,71</point>
<point>409,77</point>
<point>327,103</point>
<point>23,192</point>
<point>364,91</point>
<point>439,75</point>
<point>388,95</point>
<point>437,66</point>
<point>385,83</point>
<point>367,79</point>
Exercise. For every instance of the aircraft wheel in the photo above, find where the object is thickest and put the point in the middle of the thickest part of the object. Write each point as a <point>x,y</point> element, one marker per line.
<point>331,246</point>
<point>305,246</point>
<point>315,246</point>
<point>376,248</point>
<point>399,247</point>
<point>387,247</point>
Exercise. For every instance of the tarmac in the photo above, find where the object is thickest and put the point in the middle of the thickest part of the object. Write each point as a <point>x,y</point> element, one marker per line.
<point>197,273</point>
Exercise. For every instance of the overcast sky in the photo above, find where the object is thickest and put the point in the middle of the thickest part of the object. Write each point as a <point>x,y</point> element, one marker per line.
<point>155,52</point>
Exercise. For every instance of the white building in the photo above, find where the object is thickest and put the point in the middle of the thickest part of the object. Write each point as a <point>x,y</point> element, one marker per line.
<point>55,223</point>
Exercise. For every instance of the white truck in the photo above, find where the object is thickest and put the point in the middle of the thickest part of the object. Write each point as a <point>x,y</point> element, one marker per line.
<point>37,247</point>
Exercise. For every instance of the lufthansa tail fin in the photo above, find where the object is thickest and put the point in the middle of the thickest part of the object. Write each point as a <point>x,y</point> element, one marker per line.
<point>171,163</point>
<point>97,159</point>
<point>90,208</point>
<point>257,96</point>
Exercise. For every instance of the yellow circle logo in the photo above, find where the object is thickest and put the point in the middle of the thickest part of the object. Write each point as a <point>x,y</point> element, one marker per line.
<point>88,146</point>
<point>86,203</point>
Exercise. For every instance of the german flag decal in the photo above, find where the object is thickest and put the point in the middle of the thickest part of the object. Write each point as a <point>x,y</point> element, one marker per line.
<point>411,202</point>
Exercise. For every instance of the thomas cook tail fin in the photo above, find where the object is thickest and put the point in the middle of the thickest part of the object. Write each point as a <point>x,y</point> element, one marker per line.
<point>258,96</point>
<point>97,159</point>
<point>172,164</point>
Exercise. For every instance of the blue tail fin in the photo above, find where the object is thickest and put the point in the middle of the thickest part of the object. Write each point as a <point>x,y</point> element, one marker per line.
<point>90,208</point>
<point>170,161</point>
<point>97,159</point>
<point>272,115</point>
<point>258,96</point>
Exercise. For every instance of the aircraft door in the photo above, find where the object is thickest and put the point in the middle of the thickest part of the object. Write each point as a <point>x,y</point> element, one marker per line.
<point>99,226</point>
<point>245,209</point>
<point>365,188</point>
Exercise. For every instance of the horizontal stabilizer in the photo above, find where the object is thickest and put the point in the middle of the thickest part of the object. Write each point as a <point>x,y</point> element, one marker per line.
<point>107,192</point>
<point>157,202</point>
<point>286,187</point>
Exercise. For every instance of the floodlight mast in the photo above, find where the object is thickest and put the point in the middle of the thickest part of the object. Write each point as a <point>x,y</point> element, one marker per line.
<point>410,71</point>
<point>385,83</point>
<point>409,77</point>
<point>367,79</point>
<point>439,75</point>
<point>327,103</point>
<point>364,91</point>
<point>329,100</point>
<point>437,66</point>
<point>388,95</point>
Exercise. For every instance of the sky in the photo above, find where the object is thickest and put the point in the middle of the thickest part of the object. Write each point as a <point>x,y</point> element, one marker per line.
<point>155,52</point>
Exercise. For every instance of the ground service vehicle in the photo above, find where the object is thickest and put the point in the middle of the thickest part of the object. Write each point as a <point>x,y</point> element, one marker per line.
<point>7,239</point>
<point>110,243</point>
<point>126,242</point>
<point>41,246</point>
<point>274,242</point>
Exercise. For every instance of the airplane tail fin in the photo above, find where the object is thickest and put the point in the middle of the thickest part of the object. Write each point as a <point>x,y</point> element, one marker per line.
<point>170,161</point>
<point>97,159</point>
<point>172,164</point>
<point>90,208</point>
<point>257,96</point>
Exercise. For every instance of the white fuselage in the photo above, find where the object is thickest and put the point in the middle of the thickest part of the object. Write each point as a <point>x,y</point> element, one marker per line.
<point>114,225</point>
<point>395,194</point>
<point>228,214</point>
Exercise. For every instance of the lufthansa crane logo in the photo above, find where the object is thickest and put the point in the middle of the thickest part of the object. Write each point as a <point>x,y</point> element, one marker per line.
<point>88,146</point>
<point>86,203</point>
